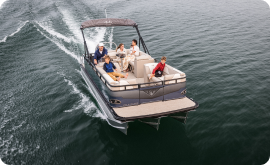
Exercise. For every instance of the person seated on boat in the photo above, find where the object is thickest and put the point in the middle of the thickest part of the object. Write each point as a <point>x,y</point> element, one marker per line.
<point>100,53</point>
<point>158,70</point>
<point>109,66</point>
<point>121,49</point>
<point>134,49</point>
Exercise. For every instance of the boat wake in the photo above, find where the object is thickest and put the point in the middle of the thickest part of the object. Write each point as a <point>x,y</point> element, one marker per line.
<point>73,46</point>
<point>58,39</point>
<point>19,29</point>
<point>84,103</point>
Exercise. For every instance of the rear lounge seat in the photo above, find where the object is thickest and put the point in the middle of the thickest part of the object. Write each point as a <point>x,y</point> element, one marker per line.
<point>169,73</point>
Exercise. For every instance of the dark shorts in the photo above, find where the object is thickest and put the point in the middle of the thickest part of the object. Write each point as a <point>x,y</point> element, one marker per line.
<point>158,73</point>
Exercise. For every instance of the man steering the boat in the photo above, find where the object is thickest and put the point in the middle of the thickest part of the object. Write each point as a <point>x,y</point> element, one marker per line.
<point>100,53</point>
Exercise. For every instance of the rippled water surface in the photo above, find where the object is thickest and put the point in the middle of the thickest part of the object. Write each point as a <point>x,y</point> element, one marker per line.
<point>49,116</point>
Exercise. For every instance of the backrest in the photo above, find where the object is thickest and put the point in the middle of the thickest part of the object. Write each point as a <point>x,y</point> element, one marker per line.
<point>117,67</point>
<point>112,54</point>
<point>148,68</point>
<point>128,51</point>
<point>139,65</point>
<point>170,70</point>
<point>109,51</point>
<point>172,73</point>
<point>142,53</point>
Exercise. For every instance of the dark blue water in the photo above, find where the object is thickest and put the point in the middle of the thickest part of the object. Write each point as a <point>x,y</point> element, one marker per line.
<point>49,116</point>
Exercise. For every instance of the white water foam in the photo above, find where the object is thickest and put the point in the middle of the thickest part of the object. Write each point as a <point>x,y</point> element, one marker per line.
<point>84,103</point>
<point>50,30</point>
<point>87,106</point>
<point>58,43</point>
<point>96,35</point>
<point>3,5</point>
<point>111,37</point>
<point>92,37</point>
<point>4,39</point>
<point>12,34</point>
<point>73,26</point>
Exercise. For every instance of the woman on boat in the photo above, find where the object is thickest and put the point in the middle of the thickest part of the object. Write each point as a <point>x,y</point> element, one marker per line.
<point>121,49</point>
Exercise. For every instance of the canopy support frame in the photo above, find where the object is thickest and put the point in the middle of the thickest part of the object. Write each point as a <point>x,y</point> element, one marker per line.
<point>141,40</point>
<point>85,47</point>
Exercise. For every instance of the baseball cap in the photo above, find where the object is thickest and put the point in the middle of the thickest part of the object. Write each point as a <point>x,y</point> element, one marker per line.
<point>100,44</point>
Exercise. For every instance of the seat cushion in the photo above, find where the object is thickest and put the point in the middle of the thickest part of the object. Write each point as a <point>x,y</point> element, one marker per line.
<point>172,77</point>
<point>166,70</point>
<point>102,71</point>
<point>116,83</point>
<point>124,82</point>
<point>108,78</point>
<point>152,67</point>
<point>156,79</point>
<point>112,55</point>
<point>133,81</point>
<point>142,53</point>
<point>143,57</point>
<point>169,77</point>
<point>109,51</point>
<point>117,67</point>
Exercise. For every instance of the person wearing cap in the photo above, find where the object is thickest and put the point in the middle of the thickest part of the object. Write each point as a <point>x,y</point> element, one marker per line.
<point>100,53</point>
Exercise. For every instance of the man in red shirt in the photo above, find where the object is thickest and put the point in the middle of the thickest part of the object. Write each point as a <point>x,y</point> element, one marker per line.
<point>158,70</point>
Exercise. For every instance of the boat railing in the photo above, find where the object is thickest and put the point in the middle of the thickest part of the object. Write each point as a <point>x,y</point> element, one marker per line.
<point>139,86</point>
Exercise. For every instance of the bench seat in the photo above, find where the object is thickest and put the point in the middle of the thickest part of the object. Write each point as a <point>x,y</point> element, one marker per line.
<point>169,73</point>
<point>112,83</point>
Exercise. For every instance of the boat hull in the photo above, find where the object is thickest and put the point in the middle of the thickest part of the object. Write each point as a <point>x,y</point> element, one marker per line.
<point>122,126</point>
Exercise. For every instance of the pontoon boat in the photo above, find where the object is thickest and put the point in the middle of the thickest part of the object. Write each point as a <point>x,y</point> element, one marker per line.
<point>137,97</point>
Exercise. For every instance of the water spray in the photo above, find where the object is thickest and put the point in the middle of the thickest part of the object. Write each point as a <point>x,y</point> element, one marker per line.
<point>105,13</point>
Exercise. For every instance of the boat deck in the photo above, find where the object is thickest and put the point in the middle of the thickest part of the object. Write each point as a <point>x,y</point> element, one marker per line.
<point>155,108</point>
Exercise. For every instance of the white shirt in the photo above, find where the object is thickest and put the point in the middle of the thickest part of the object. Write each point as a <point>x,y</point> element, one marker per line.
<point>135,49</point>
<point>124,51</point>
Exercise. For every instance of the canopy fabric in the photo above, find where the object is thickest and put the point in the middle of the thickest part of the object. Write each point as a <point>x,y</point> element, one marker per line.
<point>107,22</point>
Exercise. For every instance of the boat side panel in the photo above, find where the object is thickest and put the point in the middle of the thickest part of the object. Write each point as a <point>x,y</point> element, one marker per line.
<point>100,101</point>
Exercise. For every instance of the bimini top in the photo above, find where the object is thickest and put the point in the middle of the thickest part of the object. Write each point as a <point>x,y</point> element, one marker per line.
<point>106,22</point>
